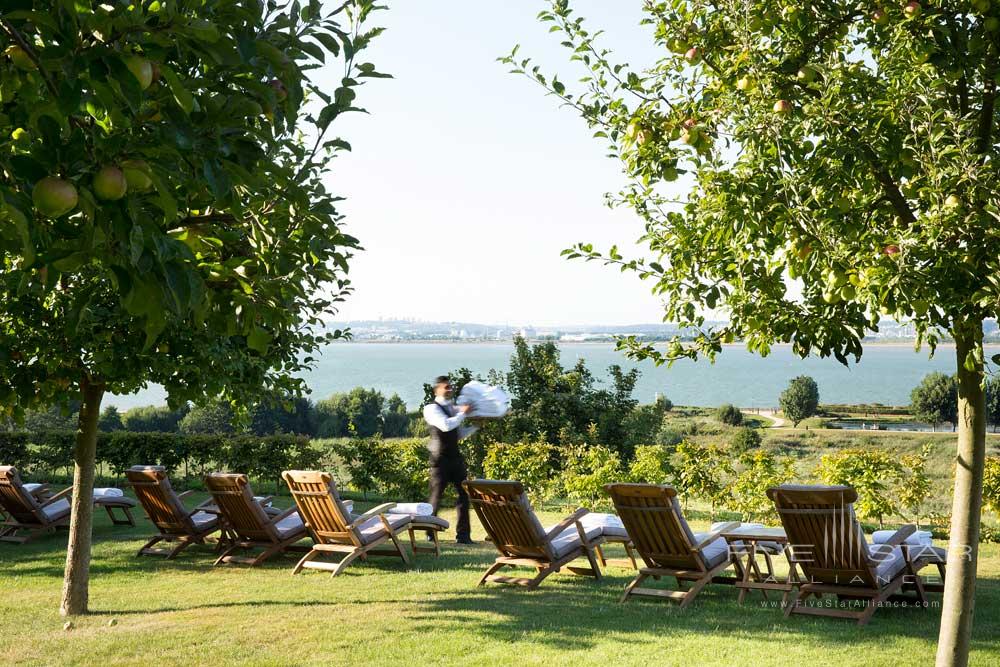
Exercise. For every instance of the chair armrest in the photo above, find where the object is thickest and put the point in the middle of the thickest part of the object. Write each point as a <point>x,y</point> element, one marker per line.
<point>284,515</point>
<point>40,492</point>
<point>58,496</point>
<point>184,494</point>
<point>375,511</point>
<point>264,500</point>
<point>714,535</point>
<point>565,523</point>
<point>899,537</point>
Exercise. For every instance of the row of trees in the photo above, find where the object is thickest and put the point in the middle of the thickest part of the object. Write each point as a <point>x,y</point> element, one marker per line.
<point>935,400</point>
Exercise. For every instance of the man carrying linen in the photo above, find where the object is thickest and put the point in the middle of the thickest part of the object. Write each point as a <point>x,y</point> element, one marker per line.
<point>447,466</point>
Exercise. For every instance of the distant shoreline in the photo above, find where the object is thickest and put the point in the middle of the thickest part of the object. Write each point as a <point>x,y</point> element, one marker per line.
<point>874,343</point>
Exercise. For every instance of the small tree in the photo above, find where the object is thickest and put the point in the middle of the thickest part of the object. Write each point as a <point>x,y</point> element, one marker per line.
<point>587,469</point>
<point>729,414</point>
<point>213,417</point>
<point>529,462</point>
<point>935,399</point>
<point>993,401</point>
<point>874,474</point>
<point>800,399</point>
<point>110,420</point>
<point>651,465</point>
<point>914,486</point>
<point>164,216</point>
<point>701,471</point>
<point>747,494</point>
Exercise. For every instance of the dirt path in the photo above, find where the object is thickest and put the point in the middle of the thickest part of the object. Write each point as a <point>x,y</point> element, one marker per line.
<point>766,413</point>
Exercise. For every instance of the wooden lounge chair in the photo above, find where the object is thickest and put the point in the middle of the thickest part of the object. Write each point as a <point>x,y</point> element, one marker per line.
<point>661,536</point>
<point>826,542</point>
<point>31,512</point>
<point>335,530</point>
<point>166,511</point>
<point>249,524</point>
<point>506,514</point>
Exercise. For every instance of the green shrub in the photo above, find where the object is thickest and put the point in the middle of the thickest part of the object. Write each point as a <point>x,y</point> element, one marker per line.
<point>532,463</point>
<point>651,465</point>
<point>153,418</point>
<point>14,449</point>
<point>212,418</point>
<point>872,473</point>
<point>407,480</point>
<point>744,439</point>
<point>991,483</point>
<point>729,414</point>
<point>747,494</point>
<point>587,469</point>
<point>700,472</point>
<point>668,437</point>
<point>368,462</point>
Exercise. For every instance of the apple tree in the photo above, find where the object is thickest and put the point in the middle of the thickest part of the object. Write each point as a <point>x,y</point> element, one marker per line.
<point>839,163</point>
<point>164,214</point>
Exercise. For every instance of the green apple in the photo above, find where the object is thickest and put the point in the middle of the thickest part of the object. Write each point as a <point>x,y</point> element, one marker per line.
<point>141,69</point>
<point>678,45</point>
<point>879,17</point>
<point>992,24</point>
<point>20,57</point>
<point>831,297</point>
<point>20,136</point>
<point>847,292</point>
<point>137,175</point>
<point>807,74</point>
<point>110,184</point>
<point>951,201</point>
<point>693,55</point>
<point>744,84</point>
<point>911,10</point>
<point>981,6</point>
<point>53,197</point>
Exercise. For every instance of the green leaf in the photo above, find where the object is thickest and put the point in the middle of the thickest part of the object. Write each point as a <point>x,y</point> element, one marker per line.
<point>259,339</point>
<point>181,94</point>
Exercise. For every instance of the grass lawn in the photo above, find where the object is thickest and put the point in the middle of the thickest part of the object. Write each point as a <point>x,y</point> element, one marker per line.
<point>187,612</point>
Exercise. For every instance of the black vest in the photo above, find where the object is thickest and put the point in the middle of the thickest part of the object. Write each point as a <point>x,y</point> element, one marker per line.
<point>444,444</point>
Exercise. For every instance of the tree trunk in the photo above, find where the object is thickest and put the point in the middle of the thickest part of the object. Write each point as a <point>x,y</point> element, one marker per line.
<point>77,578</point>
<point>963,548</point>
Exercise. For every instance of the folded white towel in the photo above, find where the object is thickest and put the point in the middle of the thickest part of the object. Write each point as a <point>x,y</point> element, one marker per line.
<point>487,402</point>
<point>108,492</point>
<point>413,509</point>
<point>921,537</point>
<point>32,486</point>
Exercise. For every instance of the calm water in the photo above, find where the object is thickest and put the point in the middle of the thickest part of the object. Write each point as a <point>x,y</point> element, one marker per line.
<point>885,375</point>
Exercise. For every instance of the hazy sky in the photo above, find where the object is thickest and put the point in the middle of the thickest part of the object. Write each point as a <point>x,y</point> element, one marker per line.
<point>466,181</point>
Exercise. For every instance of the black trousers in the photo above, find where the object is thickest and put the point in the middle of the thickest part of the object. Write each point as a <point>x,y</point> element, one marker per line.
<point>445,472</point>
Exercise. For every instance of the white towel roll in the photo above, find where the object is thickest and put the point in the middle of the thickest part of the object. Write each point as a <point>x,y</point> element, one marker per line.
<point>108,492</point>
<point>413,509</point>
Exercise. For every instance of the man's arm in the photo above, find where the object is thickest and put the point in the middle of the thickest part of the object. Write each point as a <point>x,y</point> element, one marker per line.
<point>435,416</point>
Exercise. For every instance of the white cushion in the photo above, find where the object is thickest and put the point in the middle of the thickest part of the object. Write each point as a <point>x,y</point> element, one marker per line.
<point>31,486</point>
<point>373,529</point>
<point>609,524</point>
<point>715,551</point>
<point>422,509</point>
<point>920,537</point>
<point>56,509</point>
<point>889,562</point>
<point>289,525</point>
<point>569,539</point>
<point>108,492</point>
<point>203,520</point>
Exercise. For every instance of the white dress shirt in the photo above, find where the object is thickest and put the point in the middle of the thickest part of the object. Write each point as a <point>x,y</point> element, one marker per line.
<point>436,417</point>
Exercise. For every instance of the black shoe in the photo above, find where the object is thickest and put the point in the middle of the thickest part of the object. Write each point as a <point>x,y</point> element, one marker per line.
<point>430,536</point>
<point>464,540</point>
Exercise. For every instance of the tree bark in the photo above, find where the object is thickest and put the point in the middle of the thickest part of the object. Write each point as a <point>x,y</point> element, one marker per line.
<point>76,581</point>
<point>963,549</point>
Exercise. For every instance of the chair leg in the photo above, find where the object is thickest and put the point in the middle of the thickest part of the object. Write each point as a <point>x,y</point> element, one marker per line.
<point>226,553</point>
<point>490,570</point>
<point>593,563</point>
<point>692,592</point>
<point>641,577</point>
<point>543,572</point>
<point>347,560</point>
<point>158,538</point>
<point>600,555</point>
<point>181,546</point>
<point>437,543</point>
<point>631,555</point>
<point>400,549</point>
<point>312,555</point>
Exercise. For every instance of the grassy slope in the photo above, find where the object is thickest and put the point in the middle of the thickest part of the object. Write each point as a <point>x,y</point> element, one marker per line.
<point>186,612</point>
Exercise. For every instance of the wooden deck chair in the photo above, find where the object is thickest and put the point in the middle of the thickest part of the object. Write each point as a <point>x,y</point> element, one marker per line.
<point>27,516</point>
<point>166,511</point>
<point>335,530</point>
<point>661,536</point>
<point>249,524</point>
<point>506,514</point>
<point>826,542</point>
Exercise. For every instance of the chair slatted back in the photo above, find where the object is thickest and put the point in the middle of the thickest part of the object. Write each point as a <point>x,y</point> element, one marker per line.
<point>824,536</point>
<point>244,515</point>
<point>18,503</point>
<point>505,512</point>
<point>319,504</point>
<point>158,498</point>
<point>653,519</point>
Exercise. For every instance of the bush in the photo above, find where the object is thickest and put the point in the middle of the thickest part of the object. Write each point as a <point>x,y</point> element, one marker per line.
<point>747,494</point>
<point>651,465</point>
<point>729,414</point>
<point>110,420</point>
<point>800,399</point>
<point>587,470</point>
<point>212,418</point>
<point>700,471</point>
<point>872,473</point>
<point>643,424</point>
<point>533,463</point>
<point>368,462</point>
<point>991,483</point>
<point>153,418</point>
<point>745,439</point>
<point>408,480</point>
<point>14,449</point>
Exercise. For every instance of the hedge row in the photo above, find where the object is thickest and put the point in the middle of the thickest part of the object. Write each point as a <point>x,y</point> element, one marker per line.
<point>261,457</point>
